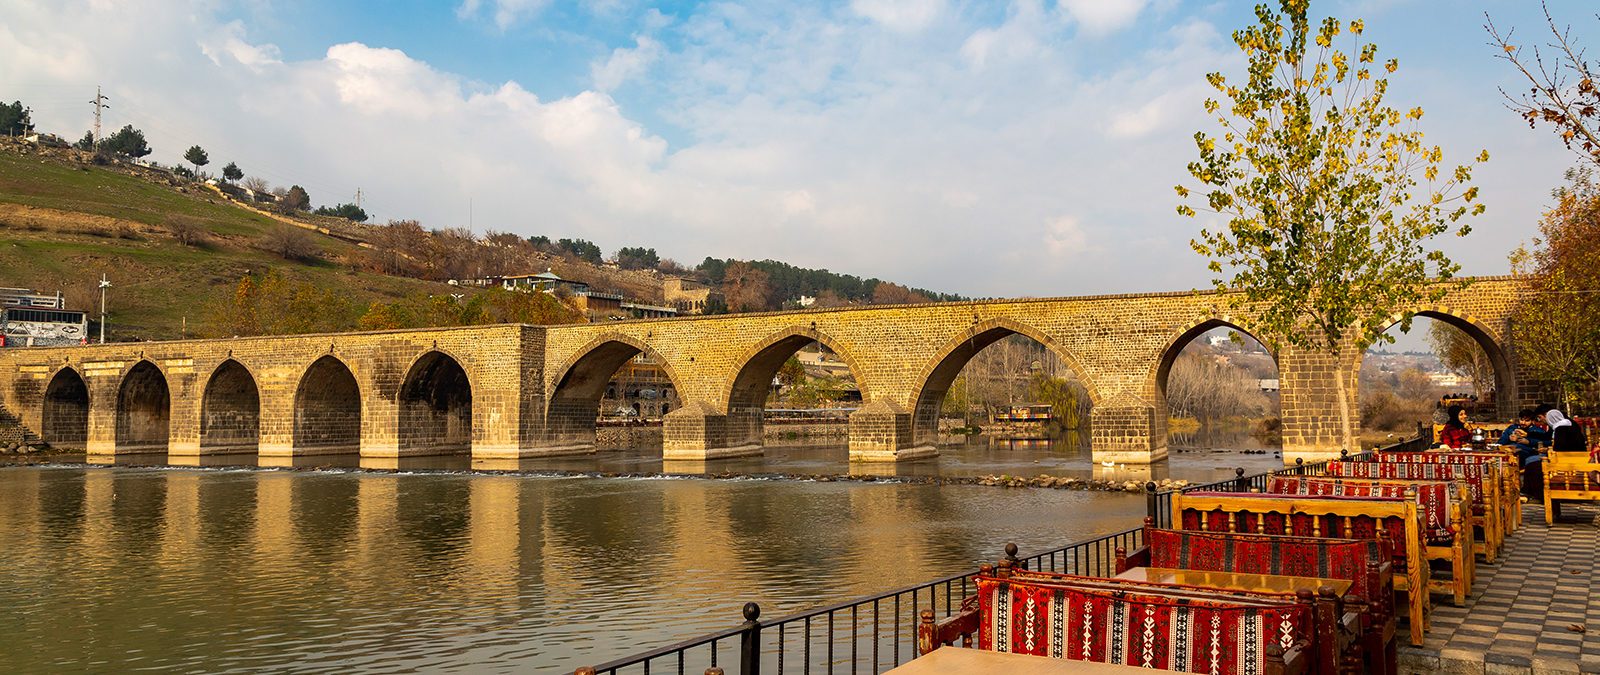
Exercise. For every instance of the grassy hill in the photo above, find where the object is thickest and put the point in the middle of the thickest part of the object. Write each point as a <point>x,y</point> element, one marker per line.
<point>64,222</point>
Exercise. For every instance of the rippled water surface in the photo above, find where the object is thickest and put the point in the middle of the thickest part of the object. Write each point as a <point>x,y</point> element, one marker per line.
<point>212,570</point>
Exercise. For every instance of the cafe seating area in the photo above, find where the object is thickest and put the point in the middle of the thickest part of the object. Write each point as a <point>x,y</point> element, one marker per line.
<point>1319,573</point>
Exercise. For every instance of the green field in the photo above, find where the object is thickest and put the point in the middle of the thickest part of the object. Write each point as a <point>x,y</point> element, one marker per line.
<point>159,285</point>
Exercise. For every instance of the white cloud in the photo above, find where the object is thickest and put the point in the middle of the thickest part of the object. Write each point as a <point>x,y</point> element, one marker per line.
<point>230,41</point>
<point>506,12</point>
<point>1063,237</point>
<point>1104,16</point>
<point>625,64</point>
<point>900,15</point>
<point>800,132</point>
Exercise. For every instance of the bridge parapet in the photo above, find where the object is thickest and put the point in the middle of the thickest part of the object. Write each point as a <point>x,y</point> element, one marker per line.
<point>516,391</point>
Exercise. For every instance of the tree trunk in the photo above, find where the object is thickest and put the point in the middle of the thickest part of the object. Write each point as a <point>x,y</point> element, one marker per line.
<point>1344,407</point>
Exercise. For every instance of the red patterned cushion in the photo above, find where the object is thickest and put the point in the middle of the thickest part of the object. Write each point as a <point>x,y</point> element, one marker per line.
<point>1433,499</point>
<point>1135,627</point>
<point>1393,528</point>
<point>1266,554</point>
<point>1473,474</point>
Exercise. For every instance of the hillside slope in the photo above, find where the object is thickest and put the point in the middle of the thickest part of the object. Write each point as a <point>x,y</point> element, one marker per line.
<point>64,222</point>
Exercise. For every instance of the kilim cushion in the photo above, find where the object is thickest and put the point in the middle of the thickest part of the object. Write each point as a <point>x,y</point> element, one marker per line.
<point>1265,554</point>
<point>1393,528</point>
<point>1135,628</point>
<point>1473,474</point>
<point>1432,498</point>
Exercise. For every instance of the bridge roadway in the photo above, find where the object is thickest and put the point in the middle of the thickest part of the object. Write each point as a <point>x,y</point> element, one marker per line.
<point>511,391</point>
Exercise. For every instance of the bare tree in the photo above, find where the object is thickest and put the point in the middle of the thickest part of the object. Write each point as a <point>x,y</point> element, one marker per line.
<point>288,242</point>
<point>257,185</point>
<point>1462,355</point>
<point>746,288</point>
<point>187,230</point>
<point>1564,92</point>
<point>1200,387</point>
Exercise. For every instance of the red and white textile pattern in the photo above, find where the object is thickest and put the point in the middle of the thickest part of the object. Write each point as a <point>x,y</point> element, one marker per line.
<point>1433,499</point>
<point>1135,627</point>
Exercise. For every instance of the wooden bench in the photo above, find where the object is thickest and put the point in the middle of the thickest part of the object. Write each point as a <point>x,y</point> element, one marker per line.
<point>1511,473</point>
<point>1570,482</point>
<point>1366,563</point>
<point>1483,486</point>
<point>1443,507</point>
<point>1394,519</point>
<point>1162,626</point>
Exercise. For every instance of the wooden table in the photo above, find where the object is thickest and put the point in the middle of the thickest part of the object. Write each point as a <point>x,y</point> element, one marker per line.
<point>1234,581</point>
<point>958,661</point>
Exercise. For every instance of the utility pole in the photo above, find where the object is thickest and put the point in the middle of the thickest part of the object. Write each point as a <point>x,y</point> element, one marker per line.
<point>99,103</point>
<point>103,286</point>
<point>358,198</point>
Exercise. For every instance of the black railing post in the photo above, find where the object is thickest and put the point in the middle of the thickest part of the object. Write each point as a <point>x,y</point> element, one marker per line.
<point>750,641</point>
<point>1239,483</point>
<point>1150,506</point>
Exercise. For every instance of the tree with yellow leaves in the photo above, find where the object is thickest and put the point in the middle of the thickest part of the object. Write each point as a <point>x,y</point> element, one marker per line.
<point>1329,193</point>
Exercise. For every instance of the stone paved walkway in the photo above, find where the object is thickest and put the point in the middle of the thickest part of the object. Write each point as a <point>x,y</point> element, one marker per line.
<point>1519,616</point>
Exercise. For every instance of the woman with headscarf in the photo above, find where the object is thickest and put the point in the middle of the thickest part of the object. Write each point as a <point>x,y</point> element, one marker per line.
<point>1455,433</point>
<point>1564,435</point>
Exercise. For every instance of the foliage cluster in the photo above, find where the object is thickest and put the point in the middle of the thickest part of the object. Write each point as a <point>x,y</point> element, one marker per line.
<point>1329,193</point>
<point>789,281</point>
<point>635,258</point>
<point>272,305</point>
<point>15,120</point>
<point>349,212</point>
<point>1557,325</point>
<point>1459,353</point>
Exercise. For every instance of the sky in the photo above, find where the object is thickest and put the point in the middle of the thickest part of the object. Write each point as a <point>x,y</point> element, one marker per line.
<point>990,149</point>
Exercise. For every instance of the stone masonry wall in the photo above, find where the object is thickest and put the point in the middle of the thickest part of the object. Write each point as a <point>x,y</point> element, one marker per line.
<point>529,386</point>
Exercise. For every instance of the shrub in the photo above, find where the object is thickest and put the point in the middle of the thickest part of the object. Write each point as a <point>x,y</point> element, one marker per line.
<point>187,230</point>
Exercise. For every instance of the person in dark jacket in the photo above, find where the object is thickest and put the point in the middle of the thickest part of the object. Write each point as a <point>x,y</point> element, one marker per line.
<point>1564,435</point>
<point>1455,433</point>
<point>1524,435</point>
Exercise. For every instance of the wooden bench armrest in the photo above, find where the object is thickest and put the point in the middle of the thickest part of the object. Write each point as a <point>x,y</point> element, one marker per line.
<point>1140,557</point>
<point>933,634</point>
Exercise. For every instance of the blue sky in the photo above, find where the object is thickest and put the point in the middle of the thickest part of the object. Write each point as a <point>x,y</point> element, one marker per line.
<point>983,148</point>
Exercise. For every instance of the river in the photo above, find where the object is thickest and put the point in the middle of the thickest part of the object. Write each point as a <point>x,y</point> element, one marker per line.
<point>428,566</point>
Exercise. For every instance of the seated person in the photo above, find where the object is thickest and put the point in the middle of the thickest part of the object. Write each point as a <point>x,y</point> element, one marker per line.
<point>1455,433</point>
<point>1564,435</point>
<point>1525,435</point>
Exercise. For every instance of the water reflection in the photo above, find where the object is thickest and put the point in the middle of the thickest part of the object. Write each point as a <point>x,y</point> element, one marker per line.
<point>185,570</point>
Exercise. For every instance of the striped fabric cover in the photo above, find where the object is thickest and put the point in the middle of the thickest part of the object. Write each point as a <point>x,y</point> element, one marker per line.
<point>1444,457</point>
<point>1392,529</point>
<point>1135,628</point>
<point>1473,474</point>
<point>1433,499</point>
<point>1267,554</point>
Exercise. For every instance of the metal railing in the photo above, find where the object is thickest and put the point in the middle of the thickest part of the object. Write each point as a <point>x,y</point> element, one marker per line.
<point>865,635</point>
<point>879,632</point>
<point>1159,504</point>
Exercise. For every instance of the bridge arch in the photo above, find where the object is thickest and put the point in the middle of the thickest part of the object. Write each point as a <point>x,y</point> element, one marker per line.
<point>144,409</point>
<point>580,383</point>
<point>435,405</point>
<point>761,362</point>
<point>1505,376</point>
<point>230,409</point>
<point>746,395</point>
<point>940,372</point>
<point>1174,347</point>
<point>327,408</point>
<point>65,414</point>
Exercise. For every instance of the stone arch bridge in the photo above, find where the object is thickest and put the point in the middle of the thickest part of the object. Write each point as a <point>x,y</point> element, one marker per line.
<point>512,391</point>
